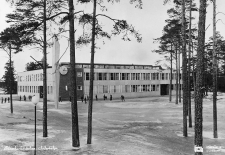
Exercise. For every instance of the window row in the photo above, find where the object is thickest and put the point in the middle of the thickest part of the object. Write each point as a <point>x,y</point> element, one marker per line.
<point>32,77</point>
<point>101,89</point>
<point>34,89</point>
<point>130,76</point>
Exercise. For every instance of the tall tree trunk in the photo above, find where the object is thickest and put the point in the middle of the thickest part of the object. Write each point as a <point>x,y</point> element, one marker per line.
<point>199,77</point>
<point>171,74</point>
<point>89,134</point>
<point>193,70</point>
<point>73,84</point>
<point>177,76</point>
<point>45,106</point>
<point>215,134</point>
<point>189,68</point>
<point>10,77</point>
<point>184,73</point>
<point>179,85</point>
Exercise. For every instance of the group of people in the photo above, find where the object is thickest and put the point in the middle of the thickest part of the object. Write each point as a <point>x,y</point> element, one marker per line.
<point>86,98</point>
<point>20,99</point>
<point>5,100</point>
<point>25,98</point>
<point>105,97</point>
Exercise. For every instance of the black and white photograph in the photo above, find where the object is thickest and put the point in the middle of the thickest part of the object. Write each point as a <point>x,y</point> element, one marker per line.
<point>112,77</point>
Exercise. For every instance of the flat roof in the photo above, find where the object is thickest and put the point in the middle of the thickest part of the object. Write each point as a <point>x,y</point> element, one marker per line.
<point>122,65</point>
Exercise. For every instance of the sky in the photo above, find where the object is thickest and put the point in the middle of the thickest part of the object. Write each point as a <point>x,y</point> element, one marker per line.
<point>149,21</point>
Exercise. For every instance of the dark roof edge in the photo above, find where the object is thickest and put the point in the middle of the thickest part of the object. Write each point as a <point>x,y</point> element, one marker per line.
<point>67,63</point>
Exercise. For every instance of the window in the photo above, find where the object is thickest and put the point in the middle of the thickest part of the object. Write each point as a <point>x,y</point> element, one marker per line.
<point>79,74</point>
<point>134,88</point>
<point>148,76</point>
<point>112,76</point>
<point>157,76</point>
<point>104,76</point>
<point>133,77</point>
<point>166,78</point>
<point>41,77</point>
<point>144,88</point>
<point>99,76</point>
<point>123,76</point>
<point>153,88</point>
<point>116,76</point>
<point>153,76</point>
<point>79,87</point>
<point>163,76</point>
<point>127,76</point>
<point>87,76</point>
<point>144,76</point>
<point>137,76</point>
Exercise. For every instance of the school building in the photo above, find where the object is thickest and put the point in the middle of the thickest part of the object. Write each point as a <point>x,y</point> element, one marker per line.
<point>115,79</point>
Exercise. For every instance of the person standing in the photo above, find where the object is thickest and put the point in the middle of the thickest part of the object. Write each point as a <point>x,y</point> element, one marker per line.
<point>20,97</point>
<point>5,100</point>
<point>2,100</point>
<point>8,99</point>
<point>122,98</point>
<point>82,98</point>
<point>96,97</point>
<point>24,98</point>
<point>110,97</point>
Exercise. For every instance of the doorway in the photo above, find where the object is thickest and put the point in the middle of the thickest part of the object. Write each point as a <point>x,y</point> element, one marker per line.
<point>164,90</point>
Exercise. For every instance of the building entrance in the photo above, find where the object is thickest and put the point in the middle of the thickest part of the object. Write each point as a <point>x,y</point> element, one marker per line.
<point>164,90</point>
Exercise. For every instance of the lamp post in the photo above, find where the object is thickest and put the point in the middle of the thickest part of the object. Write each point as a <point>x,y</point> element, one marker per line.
<point>35,100</point>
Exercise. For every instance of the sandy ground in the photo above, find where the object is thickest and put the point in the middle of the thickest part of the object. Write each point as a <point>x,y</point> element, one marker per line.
<point>142,126</point>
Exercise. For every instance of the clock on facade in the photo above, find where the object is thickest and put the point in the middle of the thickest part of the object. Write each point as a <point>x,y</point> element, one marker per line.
<point>63,70</point>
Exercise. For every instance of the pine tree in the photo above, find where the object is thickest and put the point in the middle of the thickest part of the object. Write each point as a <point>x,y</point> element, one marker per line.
<point>215,134</point>
<point>199,77</point>
<point>6,78</point>
<point>73,85</point>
